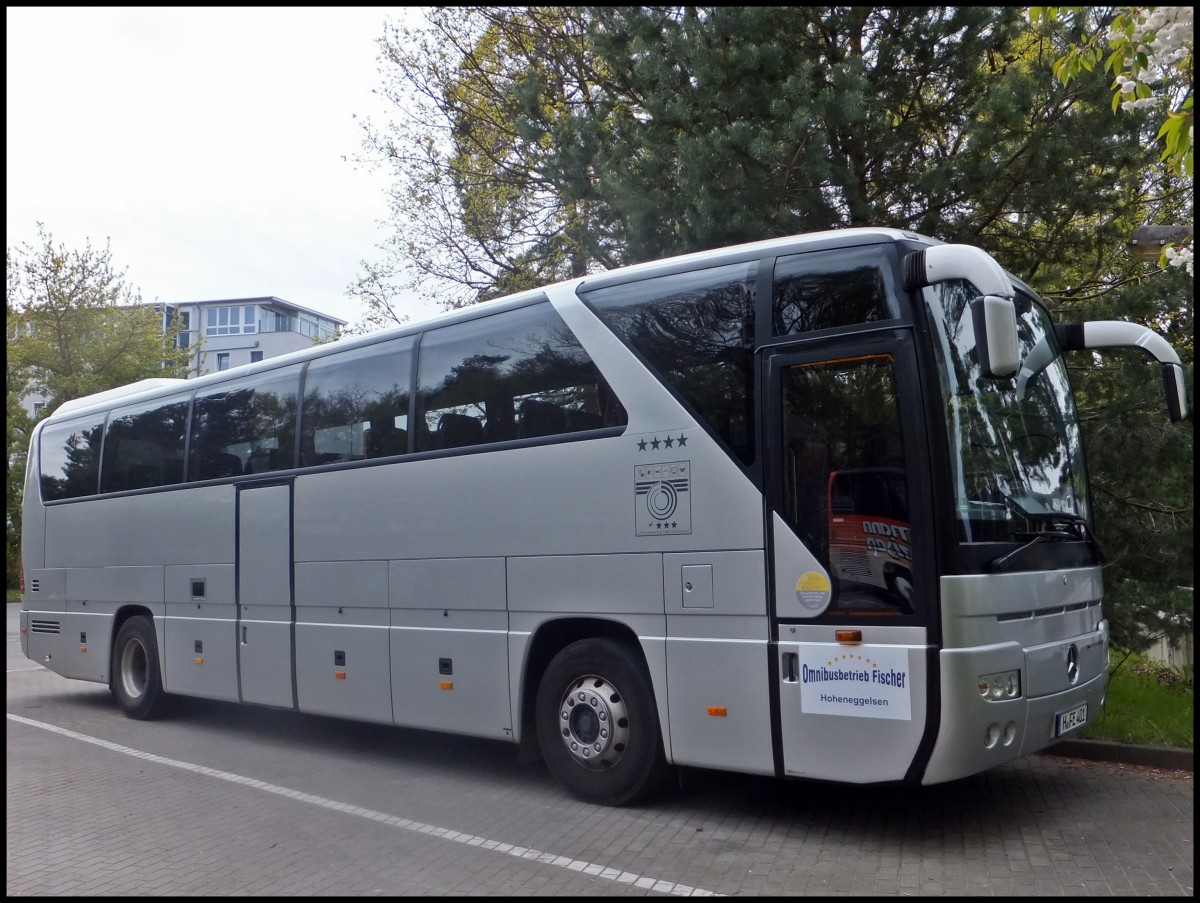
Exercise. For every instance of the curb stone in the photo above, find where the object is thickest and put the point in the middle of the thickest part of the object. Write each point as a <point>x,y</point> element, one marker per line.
<point>1169,757</point>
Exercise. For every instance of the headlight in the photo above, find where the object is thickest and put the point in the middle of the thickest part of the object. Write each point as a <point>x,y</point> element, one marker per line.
<point>996,687</point>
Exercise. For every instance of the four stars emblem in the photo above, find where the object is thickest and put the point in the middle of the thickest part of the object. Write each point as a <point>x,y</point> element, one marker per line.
<point>668,442</point>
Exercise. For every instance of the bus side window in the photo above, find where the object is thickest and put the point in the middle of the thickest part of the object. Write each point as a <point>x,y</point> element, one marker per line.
<point>540,418</point>
<point>239,419</point>
<point>384,438</point>
<point>213,465</point>
<point>143,446</point>
<point>355,403</point>
<point>696,330</point>
<point>826,289</point>
<point>264,460</point>
<point>841,429</point>
<point>519,374</point>
<point>458,430</point>
<point>70,458</point>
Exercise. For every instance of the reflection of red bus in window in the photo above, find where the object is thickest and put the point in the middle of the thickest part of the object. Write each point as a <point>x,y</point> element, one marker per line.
<point>869,545</point>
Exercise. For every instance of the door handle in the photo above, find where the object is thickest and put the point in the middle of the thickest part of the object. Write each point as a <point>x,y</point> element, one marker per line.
<point>791,661</point>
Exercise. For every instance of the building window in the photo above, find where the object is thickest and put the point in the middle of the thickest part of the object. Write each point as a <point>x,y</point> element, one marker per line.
<point>231,320</point>
<point>223,360</point>
<point>174,318</point>
<point>255,356</point>
<point>39,408</point>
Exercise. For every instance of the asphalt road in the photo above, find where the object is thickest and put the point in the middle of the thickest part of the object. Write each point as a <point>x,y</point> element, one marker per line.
<point>222,799</point>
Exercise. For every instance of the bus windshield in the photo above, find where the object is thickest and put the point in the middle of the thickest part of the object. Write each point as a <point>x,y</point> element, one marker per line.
<point>1016,455</point>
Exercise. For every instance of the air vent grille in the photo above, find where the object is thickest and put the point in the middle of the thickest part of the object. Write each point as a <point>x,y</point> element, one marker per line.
<point>1046,612</point>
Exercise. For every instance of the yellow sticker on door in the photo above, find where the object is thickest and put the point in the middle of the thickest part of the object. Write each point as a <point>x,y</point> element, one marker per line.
<point>813,589</point>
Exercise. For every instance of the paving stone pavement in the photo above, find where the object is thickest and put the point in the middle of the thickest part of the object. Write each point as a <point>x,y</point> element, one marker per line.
<point>315,816</point>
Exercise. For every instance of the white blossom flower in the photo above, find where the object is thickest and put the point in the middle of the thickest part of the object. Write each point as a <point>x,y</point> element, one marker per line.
<point>1181,257</point>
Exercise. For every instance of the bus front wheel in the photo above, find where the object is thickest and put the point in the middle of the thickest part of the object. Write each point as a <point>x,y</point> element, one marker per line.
<point>597,725</point>
<point>136,679</point>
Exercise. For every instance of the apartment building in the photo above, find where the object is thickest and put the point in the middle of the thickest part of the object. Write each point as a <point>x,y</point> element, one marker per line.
<point>236,331</point>
<point>229,332</point>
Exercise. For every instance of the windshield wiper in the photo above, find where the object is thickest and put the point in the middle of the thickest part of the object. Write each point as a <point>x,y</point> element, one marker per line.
<point>1077,529</point>
<point>1046,516</point>
<point>1004,561</point>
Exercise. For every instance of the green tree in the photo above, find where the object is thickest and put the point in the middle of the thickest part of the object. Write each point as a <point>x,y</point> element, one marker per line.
<point>1152,58</point>
<point>1152,62</point>
<point>544,143</point>
<point>738,123</point>
<point>75,327</point>
<point>475,210</point>
<point>17,427</point>
<point>1142,467</point>
<point>696,127</point>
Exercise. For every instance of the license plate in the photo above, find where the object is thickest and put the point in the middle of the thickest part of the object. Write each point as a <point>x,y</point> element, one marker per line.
<point>1068,721</point>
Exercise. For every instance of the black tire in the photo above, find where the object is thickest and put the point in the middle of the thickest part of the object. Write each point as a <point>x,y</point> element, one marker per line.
<point>597,724</point>
<point>136,679</point>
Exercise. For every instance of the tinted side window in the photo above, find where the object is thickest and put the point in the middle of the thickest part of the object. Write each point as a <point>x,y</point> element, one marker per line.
<point>516,375</point>
<point>144,446</point>
<point>356,404</point>
<point>844,480</point>
<point>696,330</point>
<point>245,426</point>
<point>70,458</point>
<point>824,289</point>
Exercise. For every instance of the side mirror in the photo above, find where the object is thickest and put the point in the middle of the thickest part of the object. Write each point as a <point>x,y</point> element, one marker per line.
<point>1119,334</point>
<point>995,323</point>
<point>993,314</point>
<point>1177,403</point>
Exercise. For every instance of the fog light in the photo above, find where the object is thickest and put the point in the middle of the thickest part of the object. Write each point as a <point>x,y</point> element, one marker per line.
<point>1003,685</point>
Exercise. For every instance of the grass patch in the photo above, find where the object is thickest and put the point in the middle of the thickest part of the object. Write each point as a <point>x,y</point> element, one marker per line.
<point>14,595</point>
<point>1147,703</point>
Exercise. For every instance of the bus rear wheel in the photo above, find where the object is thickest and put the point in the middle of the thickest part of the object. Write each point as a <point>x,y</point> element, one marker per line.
<point>597,724</point>
<point>136,678</point>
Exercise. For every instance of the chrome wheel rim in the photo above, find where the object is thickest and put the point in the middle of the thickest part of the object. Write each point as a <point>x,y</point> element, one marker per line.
<point>594,722</point>
<point>134,668</point>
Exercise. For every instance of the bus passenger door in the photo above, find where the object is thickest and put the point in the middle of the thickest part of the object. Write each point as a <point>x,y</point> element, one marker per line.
<point>264,594</point>
<point>851,558</point>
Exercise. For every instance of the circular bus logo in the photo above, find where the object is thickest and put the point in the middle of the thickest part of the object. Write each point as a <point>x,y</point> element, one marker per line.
<point>662,500</point>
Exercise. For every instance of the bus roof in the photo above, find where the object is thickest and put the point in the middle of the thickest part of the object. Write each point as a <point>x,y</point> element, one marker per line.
<point>150,388</point>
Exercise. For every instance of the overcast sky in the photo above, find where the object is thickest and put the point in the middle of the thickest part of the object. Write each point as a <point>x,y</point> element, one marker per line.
<point>206,145</point>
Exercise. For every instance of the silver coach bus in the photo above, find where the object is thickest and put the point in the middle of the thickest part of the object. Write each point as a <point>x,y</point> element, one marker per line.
<point>595,520</point>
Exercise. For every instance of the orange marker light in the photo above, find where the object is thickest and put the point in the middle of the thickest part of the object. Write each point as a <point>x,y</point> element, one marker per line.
<point>848,637</point>
<point>446,684</point>
<point>83,648</point>
<point>340,675</point>
<point>198,661</point>
<point>717,711</point>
